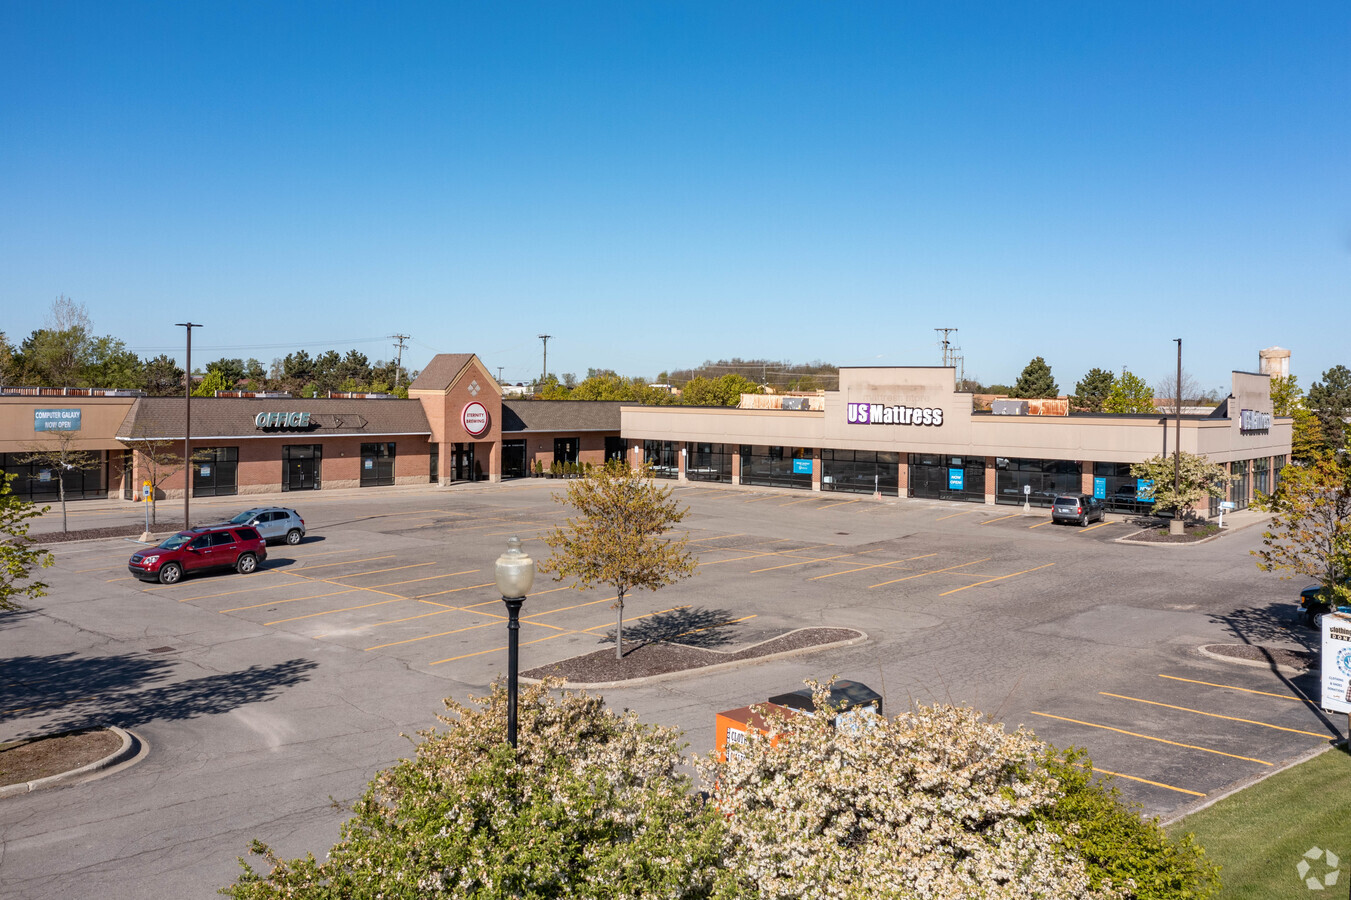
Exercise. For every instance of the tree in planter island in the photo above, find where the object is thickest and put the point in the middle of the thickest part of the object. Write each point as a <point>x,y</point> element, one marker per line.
<point>159,459</point>
<point>1200,478</point>
<point>1310,531</point>
<point>58,454</point>
<point>17,556</point>
<point>619,537</point>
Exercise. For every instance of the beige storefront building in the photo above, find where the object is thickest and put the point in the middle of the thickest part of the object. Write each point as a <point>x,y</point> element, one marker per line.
<point>909,432</point>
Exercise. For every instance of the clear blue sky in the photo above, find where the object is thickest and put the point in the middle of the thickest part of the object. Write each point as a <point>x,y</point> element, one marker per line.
<point>656,184</point>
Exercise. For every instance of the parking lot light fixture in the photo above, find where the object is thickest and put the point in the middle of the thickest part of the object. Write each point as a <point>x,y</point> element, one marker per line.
<point>515,574</point>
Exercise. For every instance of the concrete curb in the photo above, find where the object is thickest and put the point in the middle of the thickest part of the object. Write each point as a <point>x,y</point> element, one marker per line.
<point>1288,670</point>
<point>715,667</point>
<point>133,749</point>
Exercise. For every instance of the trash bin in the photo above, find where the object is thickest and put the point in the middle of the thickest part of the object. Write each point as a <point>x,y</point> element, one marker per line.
<point>844,695</point>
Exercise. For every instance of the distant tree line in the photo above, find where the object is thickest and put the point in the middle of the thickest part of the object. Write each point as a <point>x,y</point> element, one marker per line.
<point>67,353</point>
<point>604,384</point>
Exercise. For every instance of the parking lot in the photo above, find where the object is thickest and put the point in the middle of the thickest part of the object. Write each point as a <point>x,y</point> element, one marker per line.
<point>334,646</point>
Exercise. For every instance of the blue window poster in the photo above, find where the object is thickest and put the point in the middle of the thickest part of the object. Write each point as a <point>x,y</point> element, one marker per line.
<point>802,467</point>
<point>1142,487</point>
<point>1100,488</point>
<point>956,478</point>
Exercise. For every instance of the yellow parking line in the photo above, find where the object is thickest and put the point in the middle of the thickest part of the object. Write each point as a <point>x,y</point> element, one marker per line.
<point>930,572</point>
<point>803,500</point>
<point>1147,781</point>
<point>1099,525</point>
<point>1231,687</point>
<point>288,600</point>
<point>416,580</point>
<point>1039,524</point>
<point>875,566</point>
<point>1000,519</point>
<point>955,515</point>
<point>801,562</point>
<point>468,587</point>
<point>835,503</point>
<point>1150,738</point>
<point>1214,715</point>
<point>378,571</point>
<point>427,637</point>
<point>631,619</point>
<point>719,625</point>
<point>763,497</point>
<point>1000,578</point>
<point>332,611</point>
<point>332,552</point>
<point>551,637</point>
<point>717,537</point>
<point>550,612</point>
<point>348,562</point>
<point>248,590</point>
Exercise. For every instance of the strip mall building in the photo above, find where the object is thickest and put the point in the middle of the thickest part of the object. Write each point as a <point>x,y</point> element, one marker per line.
<point>904,432</point>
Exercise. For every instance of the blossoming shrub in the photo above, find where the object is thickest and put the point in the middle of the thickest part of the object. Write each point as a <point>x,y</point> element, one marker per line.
<point>934,803</point>
<point>591,805</point>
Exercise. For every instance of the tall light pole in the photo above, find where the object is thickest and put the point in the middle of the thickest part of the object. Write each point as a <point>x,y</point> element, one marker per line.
<point>187,428</point>
<point>545,374</point>
<point>1177,526</point>
<point>515,574</point>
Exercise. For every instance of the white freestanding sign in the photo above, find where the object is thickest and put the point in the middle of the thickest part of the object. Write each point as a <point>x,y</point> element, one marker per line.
<point>1337,662</point>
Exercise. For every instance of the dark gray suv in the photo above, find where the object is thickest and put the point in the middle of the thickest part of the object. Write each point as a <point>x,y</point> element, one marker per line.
<point>274,523</point>
<point>1081,508</point>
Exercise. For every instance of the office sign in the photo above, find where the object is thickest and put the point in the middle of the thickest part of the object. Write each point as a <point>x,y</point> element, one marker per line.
<point>282,420</point>
<point>881,414</point>
<point>56,420</point>
<point>1337,662</point>
<point>1250,420</point>
<point>474,418</point>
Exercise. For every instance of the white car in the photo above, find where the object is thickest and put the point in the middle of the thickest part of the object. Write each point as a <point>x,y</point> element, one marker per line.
<point>274,523</point>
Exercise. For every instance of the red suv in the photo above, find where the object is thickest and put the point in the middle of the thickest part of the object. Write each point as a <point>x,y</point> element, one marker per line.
<point>237,547</point>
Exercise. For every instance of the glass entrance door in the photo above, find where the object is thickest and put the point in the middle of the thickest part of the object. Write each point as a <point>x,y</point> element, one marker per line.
<point>464,462</point>
<point>301,464</point>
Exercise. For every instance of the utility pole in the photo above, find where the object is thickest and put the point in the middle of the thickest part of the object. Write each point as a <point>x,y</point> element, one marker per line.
<point>499,374</point>
<point>545,373</point>
<point>187,428</point>
<point>1177,526</point>
<point>398,360</point>
<point>947,354</point>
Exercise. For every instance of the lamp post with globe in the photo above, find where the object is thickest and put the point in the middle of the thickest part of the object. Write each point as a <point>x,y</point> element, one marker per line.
<point>515,574</point>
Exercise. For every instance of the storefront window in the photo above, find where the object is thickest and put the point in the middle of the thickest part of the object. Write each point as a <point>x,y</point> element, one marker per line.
<point>789,467</point>
<point>377,464</point>
<point>1261,475</point>
<point>1046,478</point>
<point>1118,489</point>
<point>215,471</point>
<point>942,476</point>
<point>1238,487</point>
<point>37,482</point>
<point>661,456</point>
<point>860,471</point>
<point>709,462</point>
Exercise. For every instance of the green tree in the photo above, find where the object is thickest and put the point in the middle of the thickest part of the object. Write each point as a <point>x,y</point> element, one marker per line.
<point>618,538</point>
<point>157,459</point>
<point>1310,530</point>
<point>726,390</point>
<point>551,389</point>
<point>163,377</point>
<point>1129,394</point>
<point>1092,390</point>
<point>232,371</point>
<point>591,805</point>
<point>1036,381</point>
<point>9,368</point>
<point>1286,395</point>
<point>1199,478</point>
<point>606,386</point>
<point>1306,439</point>
<point>109,364</point>
<point>214,380</point>
<point>58,455</point>
<point>1330,400</point>
<point>18,559</point>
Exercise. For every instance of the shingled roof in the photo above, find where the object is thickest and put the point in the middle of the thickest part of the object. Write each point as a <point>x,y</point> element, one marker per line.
<point>440,371</point>
<point>220,417</point>
<point>561,415</point>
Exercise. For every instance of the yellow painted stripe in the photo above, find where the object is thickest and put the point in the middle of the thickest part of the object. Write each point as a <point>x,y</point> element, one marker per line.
<point>955,515</point>
<point>631,619</point>
<point>1215,715</point>
<point>1231,687</point>
<point>468,587</point>
<point>831,504</point>
<point>1147,781</point>
<point>332,552</point>
<point>718,537</point>
<point>801,562</point>
<point>1151,738</point>
<point>930,572</point>
<point>427,637</point>
<point>719,625</point>
<point>288,600</point>
<point>803,500</point>
<point>332,611</point>
<point>388,569</point>
<point>1099,525</point>
<point>347,562</point>
<point>1000,578</point>
<point>1039,524</point>
<point>416,580</point>
<point>247,590</point>
<point>551,637</point>
<point>875,566</point>
<point>1000,519</point>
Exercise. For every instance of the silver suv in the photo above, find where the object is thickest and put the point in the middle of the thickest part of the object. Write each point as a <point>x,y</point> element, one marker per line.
<point>274,523</point>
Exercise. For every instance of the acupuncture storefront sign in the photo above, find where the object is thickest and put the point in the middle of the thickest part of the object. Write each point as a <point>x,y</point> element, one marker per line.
<point>56,420</point>
<point>883,414</point>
